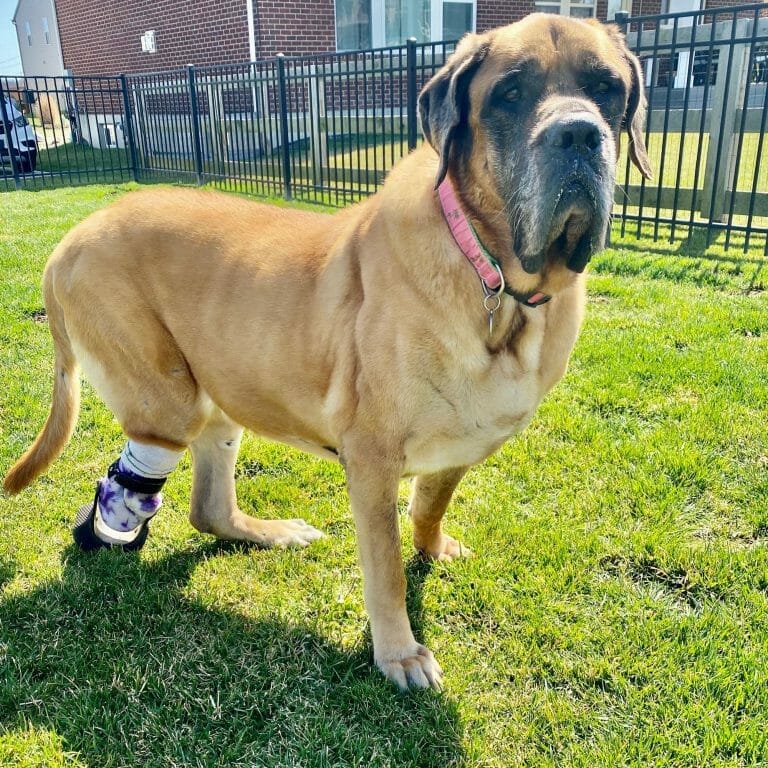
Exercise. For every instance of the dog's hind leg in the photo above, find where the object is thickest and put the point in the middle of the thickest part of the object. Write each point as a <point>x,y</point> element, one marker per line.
<point>214,504</point>
<point>143,378</point>
<point>429,499</point>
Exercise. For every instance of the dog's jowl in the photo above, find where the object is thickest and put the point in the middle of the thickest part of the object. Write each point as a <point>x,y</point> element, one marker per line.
<point>409,335</point>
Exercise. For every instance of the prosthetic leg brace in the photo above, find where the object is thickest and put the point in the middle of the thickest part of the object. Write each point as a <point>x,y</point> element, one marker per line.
<point>126,499</point>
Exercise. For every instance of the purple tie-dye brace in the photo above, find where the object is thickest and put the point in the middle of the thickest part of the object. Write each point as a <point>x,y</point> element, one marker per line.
<point>124,510</point>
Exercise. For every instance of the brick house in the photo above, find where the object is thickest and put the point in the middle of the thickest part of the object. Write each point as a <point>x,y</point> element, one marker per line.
<point>107,38</point>
<point>137,36</point>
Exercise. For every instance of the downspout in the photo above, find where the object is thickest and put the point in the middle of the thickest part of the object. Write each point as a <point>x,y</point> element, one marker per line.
<point>251,30</point>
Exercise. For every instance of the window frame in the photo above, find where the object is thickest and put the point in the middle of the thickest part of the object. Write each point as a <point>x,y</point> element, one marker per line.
<point>378,21</point>
<point>565,6</point>
<point>437,23</point>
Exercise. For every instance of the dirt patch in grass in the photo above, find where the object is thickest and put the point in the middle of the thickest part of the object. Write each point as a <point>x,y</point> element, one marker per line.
<point>672,580</point>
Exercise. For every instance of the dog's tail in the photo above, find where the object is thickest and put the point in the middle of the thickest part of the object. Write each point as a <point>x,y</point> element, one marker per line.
<point>65,406</point>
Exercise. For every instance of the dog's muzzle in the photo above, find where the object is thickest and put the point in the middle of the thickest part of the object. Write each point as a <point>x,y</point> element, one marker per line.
<point>573,175</point>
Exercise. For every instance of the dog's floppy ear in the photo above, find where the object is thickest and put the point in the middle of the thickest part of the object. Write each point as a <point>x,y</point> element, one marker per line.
<point>444,100</point>
<point>634,117</point>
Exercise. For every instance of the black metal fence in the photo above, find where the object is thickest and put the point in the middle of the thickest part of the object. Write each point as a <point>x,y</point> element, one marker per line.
<point>326,128</point>
<point>706,77</point>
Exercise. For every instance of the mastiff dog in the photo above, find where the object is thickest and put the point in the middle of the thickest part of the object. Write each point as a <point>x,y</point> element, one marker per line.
<point>407,336</point>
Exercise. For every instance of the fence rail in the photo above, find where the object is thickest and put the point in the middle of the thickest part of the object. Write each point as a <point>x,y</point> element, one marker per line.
<point>326,128</point>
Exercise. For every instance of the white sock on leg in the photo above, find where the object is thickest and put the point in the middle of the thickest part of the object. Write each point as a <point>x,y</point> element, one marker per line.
<point>150,461</point>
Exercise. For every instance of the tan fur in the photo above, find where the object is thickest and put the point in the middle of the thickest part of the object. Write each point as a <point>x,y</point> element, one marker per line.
<point>196,314</point>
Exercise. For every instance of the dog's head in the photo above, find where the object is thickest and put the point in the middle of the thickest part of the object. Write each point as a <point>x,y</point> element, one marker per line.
<point>526,120</point>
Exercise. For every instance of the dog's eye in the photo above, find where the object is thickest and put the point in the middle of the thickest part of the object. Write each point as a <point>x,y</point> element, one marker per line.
<point>604,87</point>
<point>512,94</point>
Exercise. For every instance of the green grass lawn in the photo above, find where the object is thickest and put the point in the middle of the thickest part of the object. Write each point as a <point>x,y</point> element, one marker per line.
<point>676,150</point>
<point>615,613</point>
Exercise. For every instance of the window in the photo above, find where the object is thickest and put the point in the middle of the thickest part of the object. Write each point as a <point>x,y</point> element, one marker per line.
<point>680,6</point>
<point>759,73</point>
<point>46,31</point>
<point>353,25</point>
<point>458,18</point>
<point>28,30</point>
<point>406,18</point>
<point>705,67</point>
<point>582,9</point>
<point>376,23</point>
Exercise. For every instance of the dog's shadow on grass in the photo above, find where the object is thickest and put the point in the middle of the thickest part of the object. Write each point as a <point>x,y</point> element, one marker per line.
<point>126,669</point>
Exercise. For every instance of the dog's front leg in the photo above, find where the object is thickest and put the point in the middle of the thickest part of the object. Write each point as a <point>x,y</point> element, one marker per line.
<point>429,499</point>
<point>372,480</point>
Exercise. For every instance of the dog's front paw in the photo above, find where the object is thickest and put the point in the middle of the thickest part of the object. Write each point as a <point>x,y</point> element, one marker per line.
<point>416,668</point>
<point>293,533</point>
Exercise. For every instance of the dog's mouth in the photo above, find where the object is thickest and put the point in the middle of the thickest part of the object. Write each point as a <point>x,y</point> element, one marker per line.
<point>574,229</point>
<point>571,237</point>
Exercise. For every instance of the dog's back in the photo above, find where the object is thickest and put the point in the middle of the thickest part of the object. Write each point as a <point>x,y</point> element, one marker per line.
<point>183,285</point>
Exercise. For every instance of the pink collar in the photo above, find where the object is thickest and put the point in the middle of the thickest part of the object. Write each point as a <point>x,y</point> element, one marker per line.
<point>466,238</point>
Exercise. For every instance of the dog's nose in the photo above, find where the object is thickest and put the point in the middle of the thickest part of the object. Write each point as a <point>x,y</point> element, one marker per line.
<point>576,134</point>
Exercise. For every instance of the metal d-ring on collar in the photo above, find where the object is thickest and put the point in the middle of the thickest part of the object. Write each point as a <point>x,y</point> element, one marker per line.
<point>492,300</point>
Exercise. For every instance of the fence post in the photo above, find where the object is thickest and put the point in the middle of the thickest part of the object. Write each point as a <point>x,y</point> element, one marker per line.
<point>284,147</point>
<point>413,120</point>
<point>128,127</point>
<point>621,19</point>
<point>192,83</point>
<point>317,117</point>
<point>218,127</point>
<point>7,127</point>
<point>729,89</point>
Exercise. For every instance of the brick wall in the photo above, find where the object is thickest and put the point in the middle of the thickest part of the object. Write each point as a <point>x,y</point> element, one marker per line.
<point>651,7</point>
<point>645,7</point>
<point>729,4</point>
<point>495,13</point>
<point>294,27</point>
<point>102,37</point>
